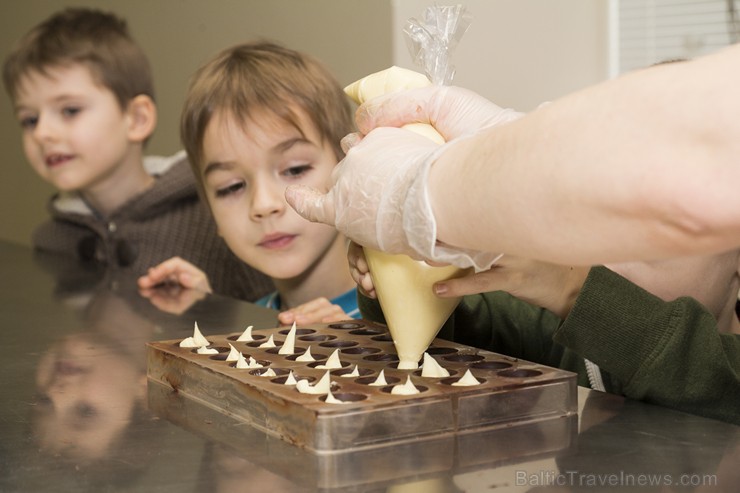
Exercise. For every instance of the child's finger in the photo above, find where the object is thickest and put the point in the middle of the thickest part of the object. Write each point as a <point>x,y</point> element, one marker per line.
<point>366,286</point>
<point>490,280</point>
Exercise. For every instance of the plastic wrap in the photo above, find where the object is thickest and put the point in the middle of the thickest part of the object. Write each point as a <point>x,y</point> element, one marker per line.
<point>432,40</point>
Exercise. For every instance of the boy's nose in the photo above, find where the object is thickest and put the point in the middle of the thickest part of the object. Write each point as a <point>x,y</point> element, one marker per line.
<point>267,201</point>
<point>45,130</point>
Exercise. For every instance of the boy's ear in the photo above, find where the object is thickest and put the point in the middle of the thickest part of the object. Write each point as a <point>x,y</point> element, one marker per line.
<point>142,115</point>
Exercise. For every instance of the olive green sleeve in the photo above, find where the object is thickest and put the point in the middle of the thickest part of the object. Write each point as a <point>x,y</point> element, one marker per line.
<point>668,353</point>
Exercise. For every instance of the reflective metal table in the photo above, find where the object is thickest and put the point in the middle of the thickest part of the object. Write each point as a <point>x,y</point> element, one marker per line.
<point>76,413</point>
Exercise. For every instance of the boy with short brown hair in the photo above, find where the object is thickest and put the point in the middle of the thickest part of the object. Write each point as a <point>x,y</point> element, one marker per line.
<point>257,118</point>
<point>83,94</point>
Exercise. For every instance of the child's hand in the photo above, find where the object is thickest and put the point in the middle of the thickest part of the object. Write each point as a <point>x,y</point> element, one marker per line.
<point>176,271</point>
<point>551,286</point>
<point>319,310</point>
<point>360,271</point>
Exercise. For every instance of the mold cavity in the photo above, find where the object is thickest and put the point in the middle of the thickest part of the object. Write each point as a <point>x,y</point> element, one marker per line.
<point>299,332</point>
<point>338,344</point>
<point>278,371</point>
<point>451,372</point>
<point>345,397</point>
<point>520,373</point>
<point>463,358</point>
<point>345,371</point>
<point>256,344</point>
<point>314,364</point>
<point>281,379</point>
<point>347,325</point>
<point>367,332</point>
<point>221,356</point>
<point>441,350</point>
<point>388,389</point>
<point>450,381</point>
<point>382,357</point>
<point>361,350</point>
<point>317,338</point>
<point>383,338</point>
<point>491,365</point>
<point>395,365</point>
<point>256,337</point>
<point>276,350</point>
<point>316,356</point>
<point>220,349</point>
<point>368,380</point>
<point>262,362</point>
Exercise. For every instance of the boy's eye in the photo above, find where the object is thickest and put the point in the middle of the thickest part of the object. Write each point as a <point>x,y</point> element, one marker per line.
<point>228,190</point>
<point>297,171</point>
<point>70,111</point>
<point>29,122</point>
<point>85,410</point>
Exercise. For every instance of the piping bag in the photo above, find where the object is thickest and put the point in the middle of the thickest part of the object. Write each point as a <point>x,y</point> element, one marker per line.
<point>413,313</point>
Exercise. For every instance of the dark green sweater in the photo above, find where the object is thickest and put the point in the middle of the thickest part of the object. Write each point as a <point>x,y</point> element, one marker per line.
<point>666,353</point>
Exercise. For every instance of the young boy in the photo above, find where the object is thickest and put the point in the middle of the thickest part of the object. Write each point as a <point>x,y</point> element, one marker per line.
<point>663,332</point>
<point>257,118</point>
<point>83,94</point>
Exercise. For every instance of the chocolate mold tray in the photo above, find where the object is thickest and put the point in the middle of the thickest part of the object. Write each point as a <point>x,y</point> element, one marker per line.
<point>511,391</point>
<point>371,469</point>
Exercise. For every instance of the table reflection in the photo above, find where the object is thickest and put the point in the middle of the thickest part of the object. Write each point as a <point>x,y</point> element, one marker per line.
<point>89,418</point>
<point>78,414</point>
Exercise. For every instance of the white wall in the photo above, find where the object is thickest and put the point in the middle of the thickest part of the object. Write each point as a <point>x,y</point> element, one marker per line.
<point>516,52</point>
<point>520,53</point>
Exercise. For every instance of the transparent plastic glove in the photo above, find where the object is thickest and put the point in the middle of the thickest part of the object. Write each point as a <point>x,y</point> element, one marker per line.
<point>369,189</point>
<point>453,111</point>
<point>379,198</point>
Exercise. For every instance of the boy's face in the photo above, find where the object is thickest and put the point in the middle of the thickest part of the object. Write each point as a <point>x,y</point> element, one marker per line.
<point>75,134</point>
<point>245,175</point>
<point>87,394</point>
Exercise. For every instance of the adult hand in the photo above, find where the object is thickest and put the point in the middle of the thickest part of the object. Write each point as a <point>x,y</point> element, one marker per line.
<point>372,199</point>
<point>379,197</point>
<point>452,111</point>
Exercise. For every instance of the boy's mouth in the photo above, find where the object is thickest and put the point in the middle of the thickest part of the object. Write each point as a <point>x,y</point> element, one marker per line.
<point>53,160</point>
<point>276,240</point>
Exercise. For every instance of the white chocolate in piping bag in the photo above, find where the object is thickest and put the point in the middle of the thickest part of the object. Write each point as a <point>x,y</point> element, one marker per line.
<point>413,312</point>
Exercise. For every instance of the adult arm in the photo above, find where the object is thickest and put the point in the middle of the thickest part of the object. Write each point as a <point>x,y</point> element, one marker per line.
<point>641,167</point>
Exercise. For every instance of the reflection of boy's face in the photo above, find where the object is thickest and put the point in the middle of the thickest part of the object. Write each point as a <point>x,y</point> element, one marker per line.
<point>88,393</point>
<point>713,280</point>
<point>75,135</point>
<point>245,176</point>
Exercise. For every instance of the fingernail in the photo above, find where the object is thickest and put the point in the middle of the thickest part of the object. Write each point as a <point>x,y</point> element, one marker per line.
<point>440,288</point>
